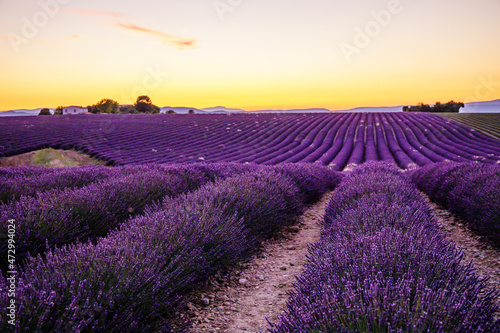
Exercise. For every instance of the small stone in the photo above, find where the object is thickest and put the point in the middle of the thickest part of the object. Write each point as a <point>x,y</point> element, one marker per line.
<point>243,281</point>
<point>283,268</point>
<point>205,301</point>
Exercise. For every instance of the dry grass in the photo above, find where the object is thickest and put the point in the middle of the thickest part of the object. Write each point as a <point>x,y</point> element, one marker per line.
<point>50,158</point>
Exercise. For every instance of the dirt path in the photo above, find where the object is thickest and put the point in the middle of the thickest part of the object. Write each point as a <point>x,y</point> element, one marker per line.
<point>243,300</point>
<point>485,258</point>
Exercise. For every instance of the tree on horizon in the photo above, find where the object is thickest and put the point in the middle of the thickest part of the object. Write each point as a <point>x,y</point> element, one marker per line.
<point>58,111</point>
<point>105,105</point>
<point>144,104</point>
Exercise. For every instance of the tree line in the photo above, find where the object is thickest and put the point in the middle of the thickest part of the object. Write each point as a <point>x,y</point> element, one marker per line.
<point>143,104</point>
<point>450,107</point>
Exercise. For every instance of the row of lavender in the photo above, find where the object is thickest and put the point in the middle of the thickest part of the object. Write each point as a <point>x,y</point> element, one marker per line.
<point>28,181</point>
<point>134,279</point>
<point>470,191</point>
<point>339,139</point>
<point>487,123</point>
<point>87,202</point>
<point>382,265</point>
<point>55,208</point>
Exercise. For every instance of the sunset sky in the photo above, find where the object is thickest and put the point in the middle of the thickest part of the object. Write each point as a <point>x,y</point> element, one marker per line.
<point>249,54</point>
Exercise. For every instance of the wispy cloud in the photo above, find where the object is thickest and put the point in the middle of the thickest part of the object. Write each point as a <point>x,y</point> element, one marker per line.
<point>94,13</point>
<point>175,41</point>
<point>167,39</point>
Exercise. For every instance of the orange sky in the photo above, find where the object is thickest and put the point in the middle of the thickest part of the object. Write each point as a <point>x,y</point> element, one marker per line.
<point>258,54</point>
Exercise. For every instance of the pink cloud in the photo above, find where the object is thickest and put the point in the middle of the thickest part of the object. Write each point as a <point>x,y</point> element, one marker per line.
<point>178,42</point>
<point>94,13</point>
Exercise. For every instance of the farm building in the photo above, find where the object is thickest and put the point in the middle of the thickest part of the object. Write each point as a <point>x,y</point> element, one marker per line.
<point>74,110</point>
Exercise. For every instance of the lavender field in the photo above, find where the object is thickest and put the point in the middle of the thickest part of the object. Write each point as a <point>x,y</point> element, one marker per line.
<point>486,123</point>
<point>122,248</point>
<point>338,140</point>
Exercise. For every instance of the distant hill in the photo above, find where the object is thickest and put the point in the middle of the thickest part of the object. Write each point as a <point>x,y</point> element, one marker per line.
<point>14,114</point>
<point>482,107</point>
<point>477,107</point>
<point>376,109</point>
<point>178,110</point>
<point>23,112</point>
<point>222,109</point>
<point>293,111</point>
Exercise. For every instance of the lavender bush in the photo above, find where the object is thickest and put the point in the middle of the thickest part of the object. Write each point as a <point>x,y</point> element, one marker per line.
<point>134,279</point>
<point>313,180</point>
<point>59,217</point>
<point>469,190</point>
<point>24,171</point>
<point>18,183</point>
<point>383,265</point>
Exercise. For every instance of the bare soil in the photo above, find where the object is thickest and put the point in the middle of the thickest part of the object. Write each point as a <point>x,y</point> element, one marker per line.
<point>50,158</point>
<point>484,256</point>
<point>246,298</point>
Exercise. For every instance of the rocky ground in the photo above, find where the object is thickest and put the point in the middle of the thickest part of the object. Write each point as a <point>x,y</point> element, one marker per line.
<point>255,292</point>
<point>249,296</point>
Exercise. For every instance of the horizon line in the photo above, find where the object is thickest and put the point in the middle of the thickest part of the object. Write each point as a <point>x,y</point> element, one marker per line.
<point>269,109</point>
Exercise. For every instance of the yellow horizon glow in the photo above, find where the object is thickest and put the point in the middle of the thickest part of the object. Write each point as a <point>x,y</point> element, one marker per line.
<point>261,55</point>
